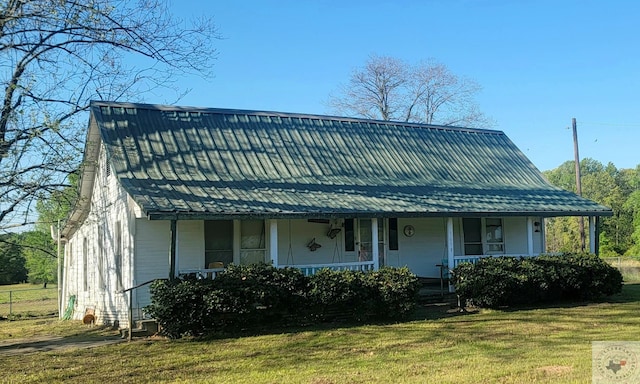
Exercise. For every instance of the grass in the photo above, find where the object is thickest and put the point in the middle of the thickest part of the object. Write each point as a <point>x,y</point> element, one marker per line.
<point>628,266</point>
<point>541,345</point>
<point>28,300</point>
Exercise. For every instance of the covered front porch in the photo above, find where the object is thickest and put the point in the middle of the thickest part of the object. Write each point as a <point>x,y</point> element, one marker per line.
<point>428,246</point>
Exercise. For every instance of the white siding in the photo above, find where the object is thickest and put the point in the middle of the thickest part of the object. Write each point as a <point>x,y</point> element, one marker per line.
<point>109,206</point>
<point>190,245</point>
<point>153,241</point>
<point>294,235</point>
<point>515,235</point>
<point>423,251</point>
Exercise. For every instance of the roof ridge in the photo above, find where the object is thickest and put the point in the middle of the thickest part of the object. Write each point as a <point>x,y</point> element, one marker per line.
<point>234,111</point>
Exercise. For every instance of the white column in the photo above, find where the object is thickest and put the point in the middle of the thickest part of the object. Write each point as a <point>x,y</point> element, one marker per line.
<point>450,248</point>
<point>450,242</point>
<point>273,242</point>
<point>375,251</point>
<point>592,234</point>
<point>530,236</point>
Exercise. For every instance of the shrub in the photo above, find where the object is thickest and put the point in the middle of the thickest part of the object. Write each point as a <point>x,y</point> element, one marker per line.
<point>179,306</point>
<point>396,292</point>
<point>261,295</point>
<point>501,281</point>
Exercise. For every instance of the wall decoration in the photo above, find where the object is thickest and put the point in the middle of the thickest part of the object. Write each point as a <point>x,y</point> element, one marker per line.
<point>313,246</point>
<point>409,230</point>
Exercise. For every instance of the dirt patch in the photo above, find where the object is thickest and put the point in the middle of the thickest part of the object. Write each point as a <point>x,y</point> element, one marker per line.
<point>52,343</point>
<point>556,370</point>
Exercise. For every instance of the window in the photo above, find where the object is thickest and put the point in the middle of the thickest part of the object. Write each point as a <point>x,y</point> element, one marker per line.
<point>482,236</point>
<point>393,234</point>
<point>218,242</point>
<point>472,236</point>
<point>107,167</point>
<point>117,253</point>
<point>85,265</point>
<point>252,241</point>
<point>100,265</point>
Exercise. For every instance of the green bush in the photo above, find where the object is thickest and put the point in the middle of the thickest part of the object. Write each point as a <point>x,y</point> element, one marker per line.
<point>503,281</point>
<point>396,292</point>
<point>261,295</point>
<point>179,306</point>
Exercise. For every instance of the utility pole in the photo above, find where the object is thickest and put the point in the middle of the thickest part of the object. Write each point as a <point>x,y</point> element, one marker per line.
<point>578,182</point>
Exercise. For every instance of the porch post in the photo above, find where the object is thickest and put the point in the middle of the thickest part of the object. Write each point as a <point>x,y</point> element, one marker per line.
<point>450,261</point>
<point>592,234</point>
<point>273,242</point>
<point>375,251</point>
<point>172,251</point>
<point>530,236</point>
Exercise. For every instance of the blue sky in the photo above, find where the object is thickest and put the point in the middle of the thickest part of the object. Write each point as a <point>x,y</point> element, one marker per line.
<point>540,63</point>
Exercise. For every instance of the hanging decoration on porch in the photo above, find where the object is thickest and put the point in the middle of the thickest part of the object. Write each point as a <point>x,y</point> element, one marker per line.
<point>313,246</point>
<point>334,229</point>
<point>333,232</point>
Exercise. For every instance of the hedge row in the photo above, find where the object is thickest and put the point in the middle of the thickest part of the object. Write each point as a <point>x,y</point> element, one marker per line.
<point>260,294</point>
<point>505,281</point>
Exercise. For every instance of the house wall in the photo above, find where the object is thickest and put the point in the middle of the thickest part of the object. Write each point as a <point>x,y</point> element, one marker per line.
<point>295,235</point>
<point>190,244</point>
<point>423,251</point>
<point>98,255</point>
<point>152,253</point>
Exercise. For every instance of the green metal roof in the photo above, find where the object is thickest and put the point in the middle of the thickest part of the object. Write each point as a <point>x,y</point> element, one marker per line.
<point>196,163</point>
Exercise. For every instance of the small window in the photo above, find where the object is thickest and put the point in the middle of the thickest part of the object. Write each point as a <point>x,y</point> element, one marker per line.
<point>472,236</point>
<point>483,236</point>
<point>117,254</point>
<point>393,234</point>
<point>252,241</point>
<point>100,266</point>
<point>107,167</point>
<point>218,242</point>
<point>349,236</point>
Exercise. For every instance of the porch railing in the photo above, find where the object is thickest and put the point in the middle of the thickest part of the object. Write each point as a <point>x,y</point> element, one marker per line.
<point>474,259</point>
<point>312,269</point>
<point>209,273</point>
<point>307,269</point>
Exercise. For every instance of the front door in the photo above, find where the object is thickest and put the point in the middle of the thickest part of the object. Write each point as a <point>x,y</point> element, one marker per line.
<point>365,240</point>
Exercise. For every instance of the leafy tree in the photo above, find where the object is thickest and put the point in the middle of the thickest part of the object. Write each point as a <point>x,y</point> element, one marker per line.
<point>633,205</point>
<point>606,185</point>
<point>40,254</point>
<point>388,88</point>
<point>58,55</point>
<point>12,263</point>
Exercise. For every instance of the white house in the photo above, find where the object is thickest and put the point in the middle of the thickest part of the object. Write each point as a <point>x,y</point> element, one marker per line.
<point>169,190</point>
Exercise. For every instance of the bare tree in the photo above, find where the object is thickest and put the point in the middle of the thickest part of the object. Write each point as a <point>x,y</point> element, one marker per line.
<point>56,56</point>
<point>387,88</point>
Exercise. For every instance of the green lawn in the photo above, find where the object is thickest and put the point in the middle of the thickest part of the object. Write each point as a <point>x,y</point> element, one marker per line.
<point>28,300</point>
<point>545,345</point>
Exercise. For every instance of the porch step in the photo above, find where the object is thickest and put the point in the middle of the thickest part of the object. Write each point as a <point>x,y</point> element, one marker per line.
<point>148,327</point>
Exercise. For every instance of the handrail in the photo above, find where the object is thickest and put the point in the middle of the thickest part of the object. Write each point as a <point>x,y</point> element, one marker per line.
<point>131,303</point>
<point>139,285</point>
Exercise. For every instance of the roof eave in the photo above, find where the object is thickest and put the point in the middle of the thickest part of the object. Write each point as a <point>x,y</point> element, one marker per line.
<point>89,169</point>
<point>160,215</point>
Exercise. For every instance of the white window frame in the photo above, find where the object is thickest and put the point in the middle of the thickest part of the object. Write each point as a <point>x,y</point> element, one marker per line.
<point>483,236</point>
